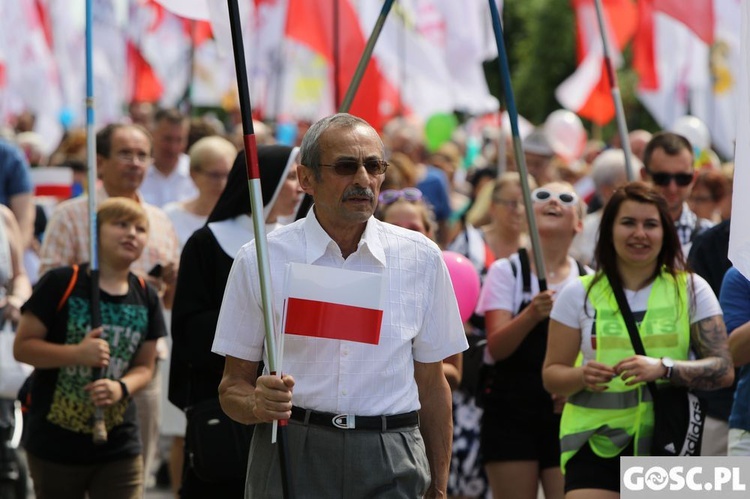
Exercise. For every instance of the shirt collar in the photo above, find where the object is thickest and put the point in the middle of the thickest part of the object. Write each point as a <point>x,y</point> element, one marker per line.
<point>319,242</point>
<point>687,217</point>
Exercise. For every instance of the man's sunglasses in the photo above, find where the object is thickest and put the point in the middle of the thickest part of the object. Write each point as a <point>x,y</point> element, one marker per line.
<point>347,167</point>
<point>664,179</point>
<point>543,195</point>
<point>389,196</point>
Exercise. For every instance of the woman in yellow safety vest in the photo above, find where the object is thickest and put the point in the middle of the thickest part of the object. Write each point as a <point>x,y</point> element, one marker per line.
<point>609,413</point>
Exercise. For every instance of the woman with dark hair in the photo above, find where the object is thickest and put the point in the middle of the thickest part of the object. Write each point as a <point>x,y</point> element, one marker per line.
<point>206,260</point>
<point>638,250</point>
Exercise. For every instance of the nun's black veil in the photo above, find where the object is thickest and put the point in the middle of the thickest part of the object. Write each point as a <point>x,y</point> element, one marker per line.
<point>235,200</point>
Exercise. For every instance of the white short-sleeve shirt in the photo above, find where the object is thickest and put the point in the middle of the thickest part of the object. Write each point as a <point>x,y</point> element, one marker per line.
<point>569,310</point>
<point>420,322</point>
<point>504,291</point>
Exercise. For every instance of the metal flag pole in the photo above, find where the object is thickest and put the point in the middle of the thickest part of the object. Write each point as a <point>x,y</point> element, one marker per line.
<point>622,126</point>
<point>351,91</point>
<point>510,102</point>
<point>99,429</point>
<point>256,206</point>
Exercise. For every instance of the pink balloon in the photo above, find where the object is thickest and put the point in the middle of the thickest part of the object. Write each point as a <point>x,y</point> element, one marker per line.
<point>465,282</point>
<point>566,134</point>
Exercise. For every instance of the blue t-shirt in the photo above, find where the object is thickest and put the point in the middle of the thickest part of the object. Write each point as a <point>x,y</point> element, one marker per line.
<point>15,174</point>
<point>735,302</point>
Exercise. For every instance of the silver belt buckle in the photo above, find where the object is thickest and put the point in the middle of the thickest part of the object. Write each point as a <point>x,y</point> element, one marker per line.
<point>343,421</point>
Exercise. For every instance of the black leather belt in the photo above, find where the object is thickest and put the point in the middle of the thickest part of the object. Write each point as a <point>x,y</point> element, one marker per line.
<point>351,422</point>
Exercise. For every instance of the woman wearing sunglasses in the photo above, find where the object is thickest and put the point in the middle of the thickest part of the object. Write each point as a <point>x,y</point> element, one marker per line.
<point>520,425</point>
<point>675,312</point>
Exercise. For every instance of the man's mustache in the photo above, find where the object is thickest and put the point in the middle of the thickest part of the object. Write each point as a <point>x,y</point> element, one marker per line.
<point>359,192</point>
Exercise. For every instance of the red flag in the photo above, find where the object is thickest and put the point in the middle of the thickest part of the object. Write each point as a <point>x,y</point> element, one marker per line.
<point>333,303</point>
<point>311,22</point>
<point>698,18</point>
<point>146,85</point>
<point>588,92</point>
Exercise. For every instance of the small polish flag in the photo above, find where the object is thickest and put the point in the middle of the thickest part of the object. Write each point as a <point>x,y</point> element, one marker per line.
<point>53,181</point>
<point>333,303</point>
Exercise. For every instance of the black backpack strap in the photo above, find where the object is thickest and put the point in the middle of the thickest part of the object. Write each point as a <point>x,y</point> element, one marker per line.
<point>523,256</point>
<point>581,269</point>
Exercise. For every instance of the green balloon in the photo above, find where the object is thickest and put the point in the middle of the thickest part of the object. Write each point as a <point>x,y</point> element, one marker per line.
<point>439,129</point>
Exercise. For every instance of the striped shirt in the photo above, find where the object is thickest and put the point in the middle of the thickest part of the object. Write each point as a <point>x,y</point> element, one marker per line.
<point>66,239</point>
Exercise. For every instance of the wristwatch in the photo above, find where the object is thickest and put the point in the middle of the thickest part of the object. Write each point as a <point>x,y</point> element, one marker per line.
<point>669,364</point>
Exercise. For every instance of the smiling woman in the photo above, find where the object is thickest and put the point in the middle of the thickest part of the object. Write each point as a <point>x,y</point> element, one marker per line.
<point>608,412</point>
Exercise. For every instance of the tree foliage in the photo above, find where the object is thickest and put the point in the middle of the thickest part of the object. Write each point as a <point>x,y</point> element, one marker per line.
<point>540,36</point>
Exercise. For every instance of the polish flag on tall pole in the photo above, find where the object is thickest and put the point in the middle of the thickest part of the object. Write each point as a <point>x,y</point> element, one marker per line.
<point>739,234</point>
<point>587,92</point>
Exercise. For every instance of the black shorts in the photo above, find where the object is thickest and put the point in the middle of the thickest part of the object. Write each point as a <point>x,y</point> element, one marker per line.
<point>586,470</point>
<point>509,435</point>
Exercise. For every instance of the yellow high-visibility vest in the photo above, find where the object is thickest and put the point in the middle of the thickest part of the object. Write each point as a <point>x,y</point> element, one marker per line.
<point>609,420</point>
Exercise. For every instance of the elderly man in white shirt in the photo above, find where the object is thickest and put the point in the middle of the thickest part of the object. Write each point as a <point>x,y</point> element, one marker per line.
<point>388,449</point>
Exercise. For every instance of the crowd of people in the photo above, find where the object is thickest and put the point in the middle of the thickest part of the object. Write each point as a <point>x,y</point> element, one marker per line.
<point>181,341</point>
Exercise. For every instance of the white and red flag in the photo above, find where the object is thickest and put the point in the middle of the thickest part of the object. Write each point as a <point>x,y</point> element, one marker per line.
<point>739,234</point>
<point>333,303</point>
<point>671,52</point>
<point>587,92</point>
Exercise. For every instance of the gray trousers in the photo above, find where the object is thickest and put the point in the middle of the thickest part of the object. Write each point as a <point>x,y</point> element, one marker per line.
<point>346,464</point>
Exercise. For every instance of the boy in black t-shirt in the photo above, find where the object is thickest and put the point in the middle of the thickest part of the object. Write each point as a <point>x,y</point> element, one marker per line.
<point>54,336</point>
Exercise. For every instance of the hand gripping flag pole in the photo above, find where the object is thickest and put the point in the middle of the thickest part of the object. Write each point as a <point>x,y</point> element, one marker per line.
<point>517,148</point>
<point>614,88</point>
<point>256,204</point>
<point>99,430</point>
<point>351,91</point>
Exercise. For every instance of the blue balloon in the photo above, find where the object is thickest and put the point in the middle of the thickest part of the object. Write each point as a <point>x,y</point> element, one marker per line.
<point>286,134</point>
<point>67,116</point>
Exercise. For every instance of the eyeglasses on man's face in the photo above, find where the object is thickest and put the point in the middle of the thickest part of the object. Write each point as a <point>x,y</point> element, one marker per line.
<point>347,167</point>
<point>132,157</point>
<point>664,179</point>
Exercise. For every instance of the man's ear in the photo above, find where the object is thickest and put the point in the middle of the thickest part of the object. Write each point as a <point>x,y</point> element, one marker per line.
<point>644,174</point>
<point>306,177</point>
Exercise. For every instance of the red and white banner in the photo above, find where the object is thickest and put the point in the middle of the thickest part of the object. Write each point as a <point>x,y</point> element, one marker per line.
<point>739,234</point>
<point>53,181</point>
<point>333,303</point>
<point>587,92</point>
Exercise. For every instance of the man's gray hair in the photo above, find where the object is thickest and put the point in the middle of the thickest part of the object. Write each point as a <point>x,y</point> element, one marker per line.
<point>609,167</point>
<point>310,146</point>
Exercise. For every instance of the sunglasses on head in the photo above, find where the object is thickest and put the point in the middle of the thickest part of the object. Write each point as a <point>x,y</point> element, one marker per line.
<point>664,179</point>
<point>346,167</point>
<point>389,196</point>
<point>543,195</point>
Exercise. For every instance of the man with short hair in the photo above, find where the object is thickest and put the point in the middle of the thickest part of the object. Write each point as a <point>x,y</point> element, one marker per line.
<point>608,171</point>
<point>385,449</point>
<point>538,154</point>
<point>122,153</point>
<point>168,176</point>
<point>668,165</point>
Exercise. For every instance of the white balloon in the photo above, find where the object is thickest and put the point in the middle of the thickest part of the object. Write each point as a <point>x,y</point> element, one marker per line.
<point>566,134</point>
<point>694,130</point>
